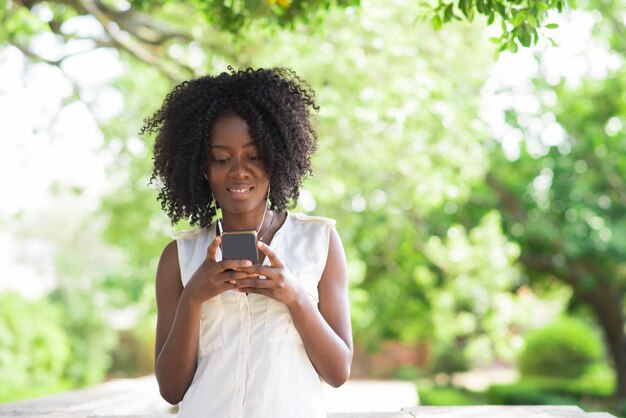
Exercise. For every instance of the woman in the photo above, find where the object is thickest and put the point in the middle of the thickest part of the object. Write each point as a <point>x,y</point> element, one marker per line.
<point>233,338</point>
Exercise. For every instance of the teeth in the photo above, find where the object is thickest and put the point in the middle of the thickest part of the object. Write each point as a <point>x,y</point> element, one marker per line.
<point>239,190</point>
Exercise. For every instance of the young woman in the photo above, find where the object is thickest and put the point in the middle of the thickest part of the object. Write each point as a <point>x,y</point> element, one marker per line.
<point>233,338</point>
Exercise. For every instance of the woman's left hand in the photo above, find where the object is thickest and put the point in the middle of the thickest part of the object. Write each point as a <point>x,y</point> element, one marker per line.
<point>278,284</point>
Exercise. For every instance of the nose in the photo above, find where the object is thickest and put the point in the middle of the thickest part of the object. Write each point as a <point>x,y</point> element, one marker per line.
<point>239,168</point>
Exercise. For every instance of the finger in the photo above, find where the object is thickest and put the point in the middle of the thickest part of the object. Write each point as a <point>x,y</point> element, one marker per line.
<point>211,252</point>
<point>253,283</point>
<point>258,269</point>
<point>236,276</point>
<point>271,255</point>
<point>232,264</point>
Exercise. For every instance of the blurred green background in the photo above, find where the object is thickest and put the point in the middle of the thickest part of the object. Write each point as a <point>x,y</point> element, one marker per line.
<point>472,152</point>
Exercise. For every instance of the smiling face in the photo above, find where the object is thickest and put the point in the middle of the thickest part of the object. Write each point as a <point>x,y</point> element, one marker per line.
<point>236,173</point>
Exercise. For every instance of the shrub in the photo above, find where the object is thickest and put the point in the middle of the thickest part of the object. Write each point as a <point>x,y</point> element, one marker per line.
<point>566,348</point>
<point>134,355</point>
<point>34,348</point>
<point>448,396</point>
<point>448,359</point>
<point>91,338</point>
<point>524,393</point>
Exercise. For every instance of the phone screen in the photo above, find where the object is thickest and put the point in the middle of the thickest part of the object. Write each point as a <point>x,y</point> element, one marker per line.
<point>240,245</point>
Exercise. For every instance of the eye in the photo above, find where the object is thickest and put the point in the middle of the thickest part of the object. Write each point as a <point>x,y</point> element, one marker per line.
<point>219,159</point>
<point>255,158</point>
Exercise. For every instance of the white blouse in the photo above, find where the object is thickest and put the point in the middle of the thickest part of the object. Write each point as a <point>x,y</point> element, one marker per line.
<point>251,359</point>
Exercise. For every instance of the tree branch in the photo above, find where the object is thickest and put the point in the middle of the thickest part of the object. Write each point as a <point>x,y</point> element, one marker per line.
<point>508,199</point>
<point>127,44</point>
<point>36,57</point>
<point>143,26</point>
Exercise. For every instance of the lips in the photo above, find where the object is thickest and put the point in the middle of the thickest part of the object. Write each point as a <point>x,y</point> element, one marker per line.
<point>240,189</point>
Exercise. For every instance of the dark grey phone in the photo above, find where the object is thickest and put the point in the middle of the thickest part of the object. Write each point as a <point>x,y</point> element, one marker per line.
<point>240,245</point>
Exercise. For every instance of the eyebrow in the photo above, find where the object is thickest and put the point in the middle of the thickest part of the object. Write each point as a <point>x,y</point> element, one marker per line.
<point>249,144</point>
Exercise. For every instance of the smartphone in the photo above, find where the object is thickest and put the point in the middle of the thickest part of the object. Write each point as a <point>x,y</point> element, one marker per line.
<point>240,245</point>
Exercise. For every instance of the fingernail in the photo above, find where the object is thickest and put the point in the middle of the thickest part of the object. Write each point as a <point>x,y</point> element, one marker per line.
<point>246,263</point>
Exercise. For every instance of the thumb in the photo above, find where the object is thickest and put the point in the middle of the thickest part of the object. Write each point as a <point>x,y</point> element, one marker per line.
<point>211,252</point>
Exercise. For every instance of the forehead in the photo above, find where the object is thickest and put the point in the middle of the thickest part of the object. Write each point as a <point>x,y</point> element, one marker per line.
<point>230,131</point>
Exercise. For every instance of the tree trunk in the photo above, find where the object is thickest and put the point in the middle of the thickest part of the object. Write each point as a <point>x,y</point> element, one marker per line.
<point>607,307</point>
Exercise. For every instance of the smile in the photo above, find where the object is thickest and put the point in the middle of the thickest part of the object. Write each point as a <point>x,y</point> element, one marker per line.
<point>241,190</point>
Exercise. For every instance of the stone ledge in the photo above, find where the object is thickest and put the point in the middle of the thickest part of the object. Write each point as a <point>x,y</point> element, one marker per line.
<point>502,411</point>
<point>139,398</point>
<point>487,411</point>
<point>417,412</point>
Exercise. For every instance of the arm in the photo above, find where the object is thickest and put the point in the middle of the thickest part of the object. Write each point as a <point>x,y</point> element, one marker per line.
<point>325,328</point>
<point>178,315</point>
<point>178,323</point>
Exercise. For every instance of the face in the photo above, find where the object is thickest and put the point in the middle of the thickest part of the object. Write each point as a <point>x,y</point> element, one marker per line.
<point>236,172</point>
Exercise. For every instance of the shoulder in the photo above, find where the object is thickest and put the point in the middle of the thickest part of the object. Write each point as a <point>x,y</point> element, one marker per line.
<point>188,234</point>
<point>188,240</point>
<point>168,263</point>
<point>304,219</point>
<point>170,251</point>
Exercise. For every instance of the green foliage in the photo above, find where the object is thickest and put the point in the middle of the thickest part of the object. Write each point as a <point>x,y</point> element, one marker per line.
<point>148,28</point>
<point>474,302</point>
<point>90,338</point>
<point>35,350</point>
<point>521,21</point>
<point>134,353</point>
<point>233,15</point>
<point>430,395</point>
<point>561,194</point>
<point>407,373</point>
<point>566,348</point>
<point>598,381</point>
<point>448,359</point>
<point>525,393</point>
<point>404,166</point>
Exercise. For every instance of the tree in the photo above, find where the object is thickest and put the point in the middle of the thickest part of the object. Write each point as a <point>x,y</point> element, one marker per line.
<point>564,201</point>
<point>165,33</point>
<point>398,162</point>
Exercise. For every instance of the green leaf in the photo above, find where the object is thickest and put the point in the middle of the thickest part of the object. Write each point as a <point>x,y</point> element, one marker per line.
<point>436,22</point>
<point>501,9</point>
<point>448,14</point>
<point>553,42</point>
<point>480,6</point>
<point>524,36</point>
<point>552,25</point>
<point>464,7</point>
<point>518,18</point>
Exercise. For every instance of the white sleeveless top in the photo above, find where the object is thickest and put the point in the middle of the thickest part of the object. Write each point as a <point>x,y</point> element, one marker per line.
<point>251,359</point>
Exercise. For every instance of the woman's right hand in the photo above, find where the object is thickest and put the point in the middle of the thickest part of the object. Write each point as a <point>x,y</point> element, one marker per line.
<point>214,277</point>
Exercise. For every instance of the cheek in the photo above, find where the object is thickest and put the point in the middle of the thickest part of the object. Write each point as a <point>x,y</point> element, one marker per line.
<point>215,176</point>
<point>259,170</point>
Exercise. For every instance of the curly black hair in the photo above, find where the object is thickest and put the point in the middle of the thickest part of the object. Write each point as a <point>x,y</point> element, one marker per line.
<point>276,104</point>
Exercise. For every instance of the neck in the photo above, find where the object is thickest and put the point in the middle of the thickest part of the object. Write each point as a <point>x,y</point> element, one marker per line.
<point>252,221</point>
